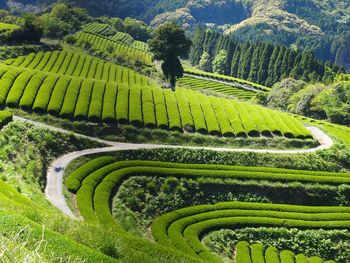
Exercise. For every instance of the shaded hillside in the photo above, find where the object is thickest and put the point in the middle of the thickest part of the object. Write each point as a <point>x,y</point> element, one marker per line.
<point>322,26</point>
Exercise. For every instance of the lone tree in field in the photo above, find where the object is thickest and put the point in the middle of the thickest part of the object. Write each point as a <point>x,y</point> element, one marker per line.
<point>168,44</point>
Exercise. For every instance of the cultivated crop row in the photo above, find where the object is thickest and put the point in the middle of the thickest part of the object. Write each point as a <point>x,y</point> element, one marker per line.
<point>105,30</point>
<point>95,181</point>
<point>216,87</point>
<point>5,117</point>
<point>258,253</point>
<point>141,45</point>
<point>106,44</point>
<point>236,81</point>
<point>78,64</point>
<point>124,38</point>
<point>95,28</point>
<point>98,100</point>
<point>4,27</point>
<point>184,228</point>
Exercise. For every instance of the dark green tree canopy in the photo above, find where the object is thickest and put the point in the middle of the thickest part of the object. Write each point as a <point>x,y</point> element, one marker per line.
<point>169,41</point>
<point>168,44</point>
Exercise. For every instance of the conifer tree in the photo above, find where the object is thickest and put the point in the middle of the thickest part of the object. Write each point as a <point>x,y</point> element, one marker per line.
<point>235,61</point>
<point>245,61</point>
<point>264,63</point>
<point>230,49</point>
<point>270,80</point>
<point>254,65</point>
<point>197,48</point>
<point>278,65</point>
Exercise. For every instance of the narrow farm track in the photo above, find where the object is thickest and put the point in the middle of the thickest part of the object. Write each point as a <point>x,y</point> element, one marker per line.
<point>55,174</point>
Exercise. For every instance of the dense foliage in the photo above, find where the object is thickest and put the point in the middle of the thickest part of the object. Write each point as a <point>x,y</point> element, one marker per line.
<point>167,45</point>
<point>258,62</point>
<point>317,100</point>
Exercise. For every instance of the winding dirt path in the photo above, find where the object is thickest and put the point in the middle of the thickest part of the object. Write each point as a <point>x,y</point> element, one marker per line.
<point>54,185</point>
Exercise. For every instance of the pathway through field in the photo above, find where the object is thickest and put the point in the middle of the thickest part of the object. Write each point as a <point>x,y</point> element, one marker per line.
<point>54,185</point>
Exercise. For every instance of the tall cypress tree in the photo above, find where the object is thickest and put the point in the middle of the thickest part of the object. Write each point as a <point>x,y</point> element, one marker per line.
<point>264,63</point>
<point>230,49</point>
<point>235,61</point>
<point>245,61</point>
<point>197,48</point>
<point>291,59</point>
<point>254,65</point>
<point>270,72</point>
<point>211,44</point>
<point>284,67</point>
<point>278,65</point>
<point>219,44</point>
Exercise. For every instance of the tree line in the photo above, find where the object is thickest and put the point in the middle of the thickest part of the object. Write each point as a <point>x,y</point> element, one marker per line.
<point>258,62</point>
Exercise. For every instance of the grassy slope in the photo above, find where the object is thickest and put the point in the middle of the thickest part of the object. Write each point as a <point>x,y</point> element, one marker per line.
<point>25,153</point>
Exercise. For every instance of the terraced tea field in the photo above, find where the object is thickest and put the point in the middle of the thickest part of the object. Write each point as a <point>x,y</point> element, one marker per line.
<point>239,82</point>
<point>94,184</point>
<point>74,85</point>
<point>260,253</point>
<point>216,87</point>
<point>5,27</point>
<point>126,170</point>
<point>183,228</point>
<point>78,64</point>
<point>121,44</point>
<point>95,181</point>
<point>104,30</point>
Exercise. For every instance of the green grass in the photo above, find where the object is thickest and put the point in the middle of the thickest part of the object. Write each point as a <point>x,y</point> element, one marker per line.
<point>26,152</point>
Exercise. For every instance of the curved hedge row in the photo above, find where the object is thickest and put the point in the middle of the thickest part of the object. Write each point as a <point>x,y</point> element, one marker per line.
<point>97,100</point>
<point>78,64</point>
<point>214,86</point>
<point>94,183</point>
<point>105,30</point>
<point>239,82</point>
<point>5,28</point>
<point>258,253</point>
<point>113,45</point>
<point>183,228</point>
<point>5,117</point>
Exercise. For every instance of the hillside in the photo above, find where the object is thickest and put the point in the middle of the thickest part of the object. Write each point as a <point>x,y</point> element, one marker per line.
<point>307,24</point>
<point>125,143</point>
<point>317,25</point>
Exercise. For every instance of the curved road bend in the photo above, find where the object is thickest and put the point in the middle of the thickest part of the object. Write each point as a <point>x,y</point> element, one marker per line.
<point>55,173</point>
